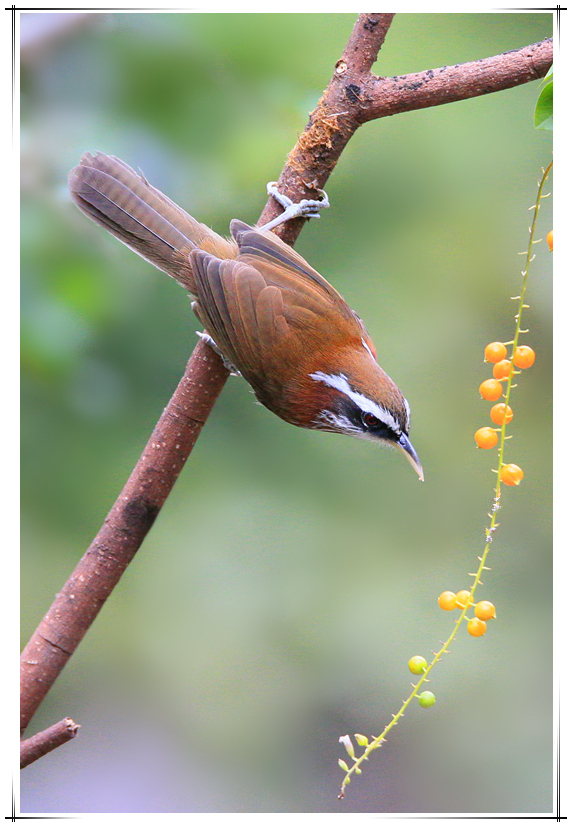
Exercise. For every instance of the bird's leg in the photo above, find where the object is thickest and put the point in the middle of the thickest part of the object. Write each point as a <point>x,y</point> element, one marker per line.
<point>306,208</point>
<point>208,340</point>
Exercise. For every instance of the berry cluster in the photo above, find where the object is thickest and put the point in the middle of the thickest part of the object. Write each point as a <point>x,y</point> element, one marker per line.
<point>492,389</point>
<point>484,610</point>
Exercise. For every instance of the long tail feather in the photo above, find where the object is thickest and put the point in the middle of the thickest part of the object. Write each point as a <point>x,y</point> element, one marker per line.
<point>117,198</point>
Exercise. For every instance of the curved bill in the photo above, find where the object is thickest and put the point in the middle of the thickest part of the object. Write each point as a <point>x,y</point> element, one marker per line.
<point>404,444</point>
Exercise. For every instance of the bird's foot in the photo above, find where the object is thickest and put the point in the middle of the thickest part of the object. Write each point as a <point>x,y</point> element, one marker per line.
<point>306,208</point>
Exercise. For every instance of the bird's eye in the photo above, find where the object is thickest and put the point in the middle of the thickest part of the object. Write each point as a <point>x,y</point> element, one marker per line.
<point>370,421</point>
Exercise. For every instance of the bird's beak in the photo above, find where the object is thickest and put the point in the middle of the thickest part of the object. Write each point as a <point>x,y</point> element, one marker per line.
<point>407,448</point>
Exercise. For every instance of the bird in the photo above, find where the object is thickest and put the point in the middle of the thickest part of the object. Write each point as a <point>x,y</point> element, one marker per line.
<point>272,318</point>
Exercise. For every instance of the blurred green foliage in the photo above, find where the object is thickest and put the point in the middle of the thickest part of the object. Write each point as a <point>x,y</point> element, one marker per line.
<point>543,114</point>
<point>291,575</point>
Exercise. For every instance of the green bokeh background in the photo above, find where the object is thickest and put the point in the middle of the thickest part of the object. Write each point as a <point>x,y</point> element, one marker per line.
<point>291,574</point>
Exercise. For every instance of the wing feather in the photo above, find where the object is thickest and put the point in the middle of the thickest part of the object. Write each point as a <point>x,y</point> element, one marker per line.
<point>271,322</point>
<point>311,304</point>
<point>227,296</point>
<point>263,249</point>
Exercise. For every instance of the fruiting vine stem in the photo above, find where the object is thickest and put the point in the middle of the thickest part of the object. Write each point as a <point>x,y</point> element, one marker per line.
<point>377,742</point>
<point>518,317</point>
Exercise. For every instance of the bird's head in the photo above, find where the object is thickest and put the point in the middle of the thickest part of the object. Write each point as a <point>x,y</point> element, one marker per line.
<point>354,396</point>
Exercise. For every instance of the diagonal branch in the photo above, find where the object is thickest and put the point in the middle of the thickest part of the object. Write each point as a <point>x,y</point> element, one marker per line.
<point>353,97</point>
<point>125,527</point>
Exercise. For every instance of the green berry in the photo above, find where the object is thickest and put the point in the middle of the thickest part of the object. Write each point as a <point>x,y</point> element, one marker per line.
<point>426,699</point>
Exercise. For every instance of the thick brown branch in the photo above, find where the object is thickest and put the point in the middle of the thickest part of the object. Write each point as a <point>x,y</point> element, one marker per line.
<point>125,527</point>
<point>353,97</point>
<point>331,124</point>
<point>47,740</point>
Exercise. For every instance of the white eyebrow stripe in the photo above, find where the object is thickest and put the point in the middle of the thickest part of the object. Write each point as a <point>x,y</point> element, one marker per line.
<point>367,347</point>
<point>407,414</point>
<point>340,383</point>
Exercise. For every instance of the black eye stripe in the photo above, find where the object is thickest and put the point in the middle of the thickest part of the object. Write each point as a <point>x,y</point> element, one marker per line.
<point>373,425</point>
<point>353,405</point>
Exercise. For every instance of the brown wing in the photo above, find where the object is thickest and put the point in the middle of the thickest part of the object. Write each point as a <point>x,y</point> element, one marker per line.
<point>115,196</point>
<point>311,305</point>
<point>268,311</point>
<point>243,315</point>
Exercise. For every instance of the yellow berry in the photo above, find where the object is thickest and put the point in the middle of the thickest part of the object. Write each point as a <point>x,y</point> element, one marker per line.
<point>417,664</point>
<point>524,356</point>
<point>549,238</point>
<point>502,369</point>
<point>486,437</point>
<point>490,389</point>
<point>463,598</point>
<point>448,601</point>
<point>511,474</point>
<point>501,413</point>
<point>495,352</point>
<point>485,610</point>
<point>476,627</point>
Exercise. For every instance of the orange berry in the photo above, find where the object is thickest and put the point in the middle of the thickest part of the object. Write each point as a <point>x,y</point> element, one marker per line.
<point>524,356</point>
<point>511,474</point>
<point>476,627</point>
<point>495,352</point>
<point>486,437</point>
<point>448,601</point>
<point>485,610</point>
<point>501,413</point>
<point>549,238</point>
<point>490,389</point>
<point>502,369</point>
<point>463,598</point>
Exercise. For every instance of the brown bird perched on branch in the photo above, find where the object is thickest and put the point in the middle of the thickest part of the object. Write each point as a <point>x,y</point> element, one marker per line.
<point>272,318</point>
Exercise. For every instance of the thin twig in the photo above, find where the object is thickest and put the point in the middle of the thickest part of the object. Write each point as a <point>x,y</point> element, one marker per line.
<point>43,742</point>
